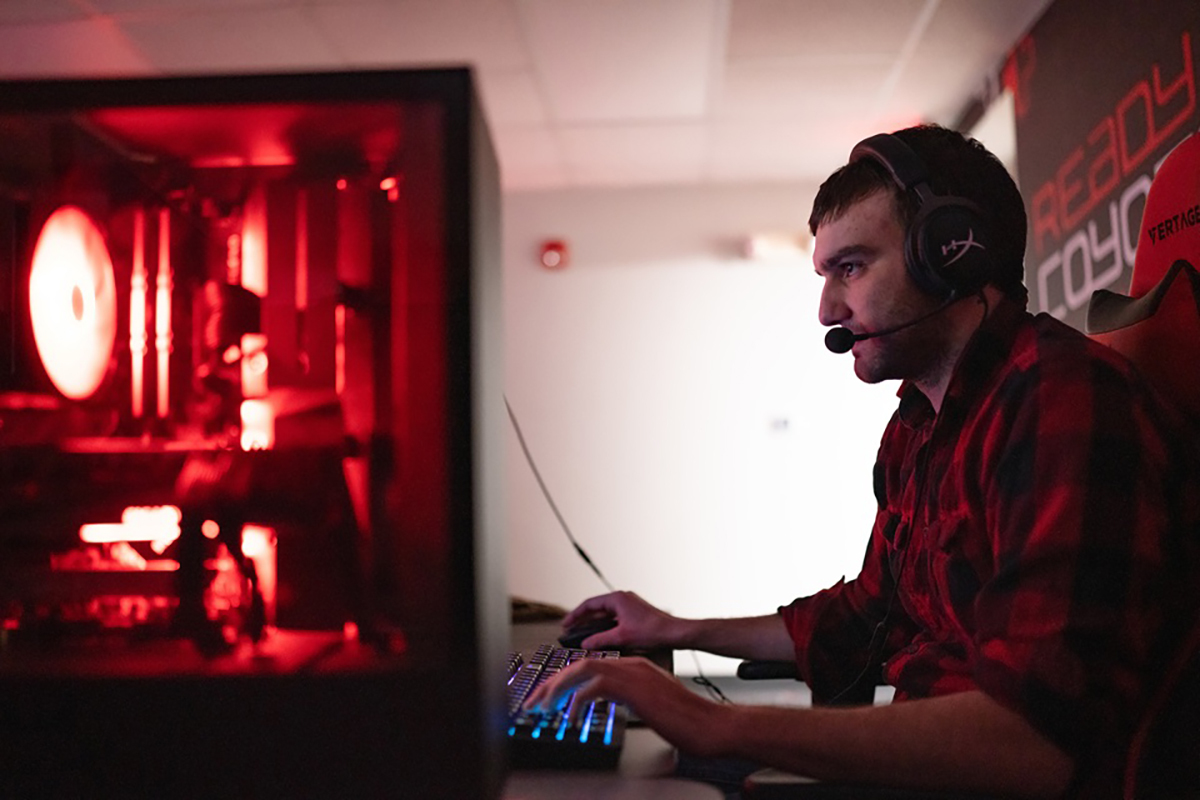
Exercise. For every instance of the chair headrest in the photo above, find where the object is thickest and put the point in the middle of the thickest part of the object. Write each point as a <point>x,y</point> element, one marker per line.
<point>1157,326</point>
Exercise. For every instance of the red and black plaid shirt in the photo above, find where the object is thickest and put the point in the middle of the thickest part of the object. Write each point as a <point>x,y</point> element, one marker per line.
<point>1041,528</point>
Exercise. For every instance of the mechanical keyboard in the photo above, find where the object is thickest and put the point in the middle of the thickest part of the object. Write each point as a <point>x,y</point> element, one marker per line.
<point>542,740</point>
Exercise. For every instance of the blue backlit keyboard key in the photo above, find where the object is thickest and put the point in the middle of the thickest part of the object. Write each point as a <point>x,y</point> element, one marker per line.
<point>552,740</point>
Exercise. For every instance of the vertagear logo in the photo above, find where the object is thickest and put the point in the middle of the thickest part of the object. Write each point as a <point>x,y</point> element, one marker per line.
<point>959,247</point>
<point>1176,223</point>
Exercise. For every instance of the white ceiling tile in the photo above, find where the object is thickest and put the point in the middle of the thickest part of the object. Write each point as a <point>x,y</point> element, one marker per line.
<point>252,39</point>
<point>482,33</point>
<point>68,49</point>
<point>634,154</point>
<point>600,92</point>
<point>530,158</point>
<point>964,33</point>
<point>160,7</point>
<point>784,150</point>
<point>799,87</point>
<point>511,97</point>
<point>927,91</point>
<point>624,59</point>
<point>766,28</point>
<point>980,25</point>
<point>18,11</point>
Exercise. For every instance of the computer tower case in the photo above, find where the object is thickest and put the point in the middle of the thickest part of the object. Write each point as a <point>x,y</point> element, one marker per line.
<point>250,409</point>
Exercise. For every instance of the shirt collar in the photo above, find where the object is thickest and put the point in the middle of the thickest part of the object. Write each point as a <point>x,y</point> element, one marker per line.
<point>983,355</point>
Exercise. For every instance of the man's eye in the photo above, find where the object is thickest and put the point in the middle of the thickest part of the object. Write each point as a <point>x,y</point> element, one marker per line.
<point>850,268</point>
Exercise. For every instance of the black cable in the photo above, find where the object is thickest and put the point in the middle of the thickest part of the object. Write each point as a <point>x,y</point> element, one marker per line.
<point>546,493</point>
<point>699,678</point>
<point>874,647</point>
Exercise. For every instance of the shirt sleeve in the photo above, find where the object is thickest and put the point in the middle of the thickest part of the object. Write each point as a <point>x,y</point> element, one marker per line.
<point>1080,500</point>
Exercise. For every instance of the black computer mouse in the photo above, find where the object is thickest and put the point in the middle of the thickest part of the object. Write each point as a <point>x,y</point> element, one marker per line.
<point>573,636</point>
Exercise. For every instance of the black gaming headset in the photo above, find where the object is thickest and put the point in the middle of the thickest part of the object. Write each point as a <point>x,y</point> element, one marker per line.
<point>947,246</point>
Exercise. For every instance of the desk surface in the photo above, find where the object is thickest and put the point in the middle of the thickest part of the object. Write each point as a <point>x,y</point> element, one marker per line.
<point>597,786</point>
<point>643,773</point>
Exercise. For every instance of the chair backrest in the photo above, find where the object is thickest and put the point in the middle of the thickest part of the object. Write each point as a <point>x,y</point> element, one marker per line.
<point>1157,326</point>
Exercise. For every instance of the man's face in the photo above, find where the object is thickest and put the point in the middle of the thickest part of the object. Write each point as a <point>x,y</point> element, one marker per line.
<point>860,255</point>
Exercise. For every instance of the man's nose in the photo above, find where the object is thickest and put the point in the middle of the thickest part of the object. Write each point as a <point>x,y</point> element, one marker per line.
<point>832,310</point>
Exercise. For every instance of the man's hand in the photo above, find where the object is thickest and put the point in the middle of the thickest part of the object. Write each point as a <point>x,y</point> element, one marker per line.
<point>639,624</point>
<point>686,720</point>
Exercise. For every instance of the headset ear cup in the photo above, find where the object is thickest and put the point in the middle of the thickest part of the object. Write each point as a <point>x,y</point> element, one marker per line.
<point>926,278</point>
<point>947,248</point>
<point>950,243</point>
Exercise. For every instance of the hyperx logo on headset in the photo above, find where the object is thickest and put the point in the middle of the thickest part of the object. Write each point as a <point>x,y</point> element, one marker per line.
<point>959,247</point>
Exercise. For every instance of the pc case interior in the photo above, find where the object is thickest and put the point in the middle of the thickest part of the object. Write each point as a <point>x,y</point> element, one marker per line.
<point>249,401</point>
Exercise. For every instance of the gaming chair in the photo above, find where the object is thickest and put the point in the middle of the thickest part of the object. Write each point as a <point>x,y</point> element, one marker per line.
<point>1158,328</point>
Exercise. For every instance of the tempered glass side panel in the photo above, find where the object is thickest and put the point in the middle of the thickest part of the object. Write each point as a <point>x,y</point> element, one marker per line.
<point>291,282</point>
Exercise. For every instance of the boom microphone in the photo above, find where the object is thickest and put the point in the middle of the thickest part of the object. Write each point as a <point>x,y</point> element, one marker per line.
<point>841,340</point>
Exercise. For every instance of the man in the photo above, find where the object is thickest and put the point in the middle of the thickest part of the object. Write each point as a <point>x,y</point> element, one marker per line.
<point>1033,549</point>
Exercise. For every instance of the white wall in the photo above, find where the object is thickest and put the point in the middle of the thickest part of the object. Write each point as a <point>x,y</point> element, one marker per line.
<point>704,447</point>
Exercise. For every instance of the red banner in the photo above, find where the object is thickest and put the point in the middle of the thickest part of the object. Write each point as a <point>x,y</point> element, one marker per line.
<point>1104,90</point>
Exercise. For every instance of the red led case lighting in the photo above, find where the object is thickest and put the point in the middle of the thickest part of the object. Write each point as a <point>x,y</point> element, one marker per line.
<point>73,302</point>
<point>158,525</point>
<point>138,346</point>
<point>163,286</point>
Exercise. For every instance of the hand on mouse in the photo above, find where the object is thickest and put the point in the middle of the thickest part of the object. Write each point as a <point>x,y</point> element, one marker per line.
<point>577,634</point>
<point>638,624</point>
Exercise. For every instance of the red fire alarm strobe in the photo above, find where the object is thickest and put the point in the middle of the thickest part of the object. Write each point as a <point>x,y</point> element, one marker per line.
<point>554,254</point>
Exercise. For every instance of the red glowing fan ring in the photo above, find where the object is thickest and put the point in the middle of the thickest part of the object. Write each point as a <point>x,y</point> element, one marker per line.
<point>73,302</point>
